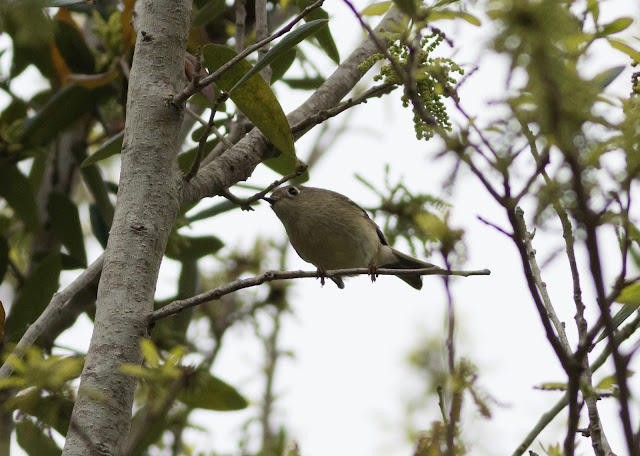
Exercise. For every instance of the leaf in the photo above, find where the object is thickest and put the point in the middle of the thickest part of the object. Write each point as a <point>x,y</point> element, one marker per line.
<point>186,158</point>
<point>98,225</point>
<point>620,46</point>
<point>436,15</point>
<point>324,37</point>
<point>210,393</point>
<point>184,248</point>
<point>66,227</point>
<point>256,100</point>
<point>288,42</point>
<point>602,80</point>
<point>111,146</point>
<point>376,9</point>
<point>609,382</point>
<point>150,352</point>
<point>408,7</point>
<point>16,189</point>
<point>209,12</point>
<point>72,46</point>
<point>304,83</point>
<point>54,3</point>
<point>3,314</point>
<point>54,411</point>
<point>60,112</point>
<point>34,441</point>
<point>280,65</point>
<point>4,261</point>
<point>616,26</point>
<point>630,297</point>
<point>33,297</point>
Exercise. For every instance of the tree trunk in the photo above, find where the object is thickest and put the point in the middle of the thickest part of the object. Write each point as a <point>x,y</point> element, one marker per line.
<point>145,212</point>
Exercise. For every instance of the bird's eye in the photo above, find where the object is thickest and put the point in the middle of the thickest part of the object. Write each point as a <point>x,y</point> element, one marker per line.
<point>293,191</point>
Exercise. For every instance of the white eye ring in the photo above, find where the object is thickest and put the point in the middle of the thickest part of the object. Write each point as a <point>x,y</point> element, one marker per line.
<point>293,191</point>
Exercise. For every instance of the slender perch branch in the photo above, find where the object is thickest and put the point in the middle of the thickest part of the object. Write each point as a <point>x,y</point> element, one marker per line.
<point>211,295</point>
<point>51,312</point>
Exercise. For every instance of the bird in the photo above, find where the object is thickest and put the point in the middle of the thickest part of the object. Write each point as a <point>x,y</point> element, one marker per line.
<point>330,231</point>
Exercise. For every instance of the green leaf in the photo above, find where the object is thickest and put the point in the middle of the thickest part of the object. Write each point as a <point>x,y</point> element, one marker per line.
<point>34,440</point>
<point>594,8</point>
<point>280,65</point>
<point>60,112</point>
<point>256,100</point>
<point>209,12</point>
<point>16,189</point>
<point>408,7</point>
<point>184,248</point>
<point>630,297</point>
<point>33,297</point>
<point>185,159</point>
<point>616,26</point>
<point>66,227</point>
<point>285,44</point>
<point>436,15</point>
<point>53,410</point>
<point>324,37</point>
<point>608,383</point>
<point>98,225</point>
<point>4,262</point>
<point>376,9</point>
<point>605,78</point>
<point>304,83</point>
<point>210,393</point>
<point>73,48</point>
<point>59,3</point>
<point>620,46</point>
<point>111,146</point>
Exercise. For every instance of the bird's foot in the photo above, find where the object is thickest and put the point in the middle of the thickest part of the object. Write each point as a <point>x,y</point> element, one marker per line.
<point>373,269</point>
<point>322,274</point>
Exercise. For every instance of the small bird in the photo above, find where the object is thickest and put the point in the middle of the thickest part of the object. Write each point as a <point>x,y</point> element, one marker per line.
<point>330,231</point>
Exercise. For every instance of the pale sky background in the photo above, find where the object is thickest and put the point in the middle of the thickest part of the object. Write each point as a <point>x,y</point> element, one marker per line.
<point>344,392</point>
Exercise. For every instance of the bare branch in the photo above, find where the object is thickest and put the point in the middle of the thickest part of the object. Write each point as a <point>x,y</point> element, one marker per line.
<point>211,295</point>
<point>51,312</point>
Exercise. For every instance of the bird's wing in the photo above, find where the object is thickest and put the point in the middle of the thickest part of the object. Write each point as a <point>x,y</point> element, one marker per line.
<point>364,213</point>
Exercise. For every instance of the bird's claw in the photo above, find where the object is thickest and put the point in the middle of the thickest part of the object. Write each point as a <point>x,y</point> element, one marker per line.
<point>321,275</point>
<point>373,269</point>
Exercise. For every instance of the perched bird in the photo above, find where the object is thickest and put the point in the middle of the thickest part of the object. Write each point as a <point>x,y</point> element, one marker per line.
<point>330,231</point>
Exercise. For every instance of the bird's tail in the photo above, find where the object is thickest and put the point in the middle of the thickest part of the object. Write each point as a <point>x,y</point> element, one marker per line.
<point>405,261</point>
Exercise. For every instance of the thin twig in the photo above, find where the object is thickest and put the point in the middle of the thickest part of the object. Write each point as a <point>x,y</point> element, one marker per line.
<point>547,417</point>
<point>192,88</point>
<point>245,203</point>
<point>211,295</point>
<point>326,114</point>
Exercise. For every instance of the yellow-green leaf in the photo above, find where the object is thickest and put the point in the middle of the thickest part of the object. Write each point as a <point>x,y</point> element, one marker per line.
<point>150,352</point>
<point>447,14</point>
<point>616,26</point>
<point>377,9</point>
<point>210,393</point>
<point>258,102</point>
<point>620,46</point>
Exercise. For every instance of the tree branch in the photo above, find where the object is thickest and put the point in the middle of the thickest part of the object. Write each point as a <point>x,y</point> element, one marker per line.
<point>211,295</point>
<point>51,313</point>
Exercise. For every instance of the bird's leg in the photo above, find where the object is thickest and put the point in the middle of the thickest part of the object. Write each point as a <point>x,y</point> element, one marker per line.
<point>373,268</point>
<point>322,274</point>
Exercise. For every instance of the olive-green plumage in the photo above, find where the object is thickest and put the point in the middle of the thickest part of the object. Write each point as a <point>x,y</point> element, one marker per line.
<point>330,231</point>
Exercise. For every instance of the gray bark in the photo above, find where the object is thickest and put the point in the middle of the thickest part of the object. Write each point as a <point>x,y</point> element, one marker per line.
<point>146,209</point>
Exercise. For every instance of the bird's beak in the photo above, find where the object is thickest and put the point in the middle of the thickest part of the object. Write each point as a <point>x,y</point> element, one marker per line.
<point>268,200</point>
